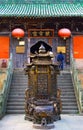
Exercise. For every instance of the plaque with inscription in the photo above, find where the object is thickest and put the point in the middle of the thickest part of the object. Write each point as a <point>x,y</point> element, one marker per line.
<point>41,33</point>
<point>20,49</point>
<point>61,49</point>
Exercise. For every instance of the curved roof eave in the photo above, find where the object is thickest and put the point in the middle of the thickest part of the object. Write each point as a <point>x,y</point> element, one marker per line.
<point>41,10</point>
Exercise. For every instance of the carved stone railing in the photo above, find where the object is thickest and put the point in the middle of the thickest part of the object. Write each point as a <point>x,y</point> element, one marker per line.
<point>5,88</point>
<point>77,84</point>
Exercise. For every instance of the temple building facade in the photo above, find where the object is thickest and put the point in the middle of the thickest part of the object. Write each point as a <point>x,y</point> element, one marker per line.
<point>40,21</point>
<point>32,33</point>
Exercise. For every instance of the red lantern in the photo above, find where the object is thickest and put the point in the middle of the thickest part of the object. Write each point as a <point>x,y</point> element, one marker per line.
<point>64,33</point>
<point>18,33</point>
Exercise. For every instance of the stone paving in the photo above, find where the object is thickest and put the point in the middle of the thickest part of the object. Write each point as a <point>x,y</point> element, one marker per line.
<point>17,122</point>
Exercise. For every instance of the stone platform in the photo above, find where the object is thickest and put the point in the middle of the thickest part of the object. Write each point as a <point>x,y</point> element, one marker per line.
<point>17,122</point>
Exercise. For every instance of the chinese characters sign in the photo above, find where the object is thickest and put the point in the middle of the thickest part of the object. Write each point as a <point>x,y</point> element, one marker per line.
<point>61,49</point>
<point>38,33</point>
<point>20,49</point>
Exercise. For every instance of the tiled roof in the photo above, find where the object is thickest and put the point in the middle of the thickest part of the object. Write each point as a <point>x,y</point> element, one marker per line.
<point>38,1</point>
<point>41,10</point>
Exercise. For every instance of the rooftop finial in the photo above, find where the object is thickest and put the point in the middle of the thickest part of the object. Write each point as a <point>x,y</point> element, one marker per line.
<point>42,49</point>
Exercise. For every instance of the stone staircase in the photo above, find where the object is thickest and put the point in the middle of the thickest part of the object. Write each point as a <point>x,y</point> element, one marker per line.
<point>64,82</point>
<point>16,100</point>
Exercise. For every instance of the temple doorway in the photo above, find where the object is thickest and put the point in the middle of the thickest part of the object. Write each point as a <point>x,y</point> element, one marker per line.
<point>35,48</point>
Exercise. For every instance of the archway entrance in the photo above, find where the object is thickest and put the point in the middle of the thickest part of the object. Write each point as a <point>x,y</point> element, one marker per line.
<point>35,48</point>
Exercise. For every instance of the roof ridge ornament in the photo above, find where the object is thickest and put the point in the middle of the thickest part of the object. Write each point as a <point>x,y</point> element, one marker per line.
<point>42,49</point>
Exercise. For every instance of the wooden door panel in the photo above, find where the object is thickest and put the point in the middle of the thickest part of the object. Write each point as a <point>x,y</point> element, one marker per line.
<point>78,47</point>
<point>4,47</point>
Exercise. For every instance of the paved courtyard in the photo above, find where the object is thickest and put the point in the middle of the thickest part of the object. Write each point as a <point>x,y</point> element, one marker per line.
<point>17,122</point>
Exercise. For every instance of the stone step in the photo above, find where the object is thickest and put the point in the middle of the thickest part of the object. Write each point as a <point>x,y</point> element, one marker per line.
<point>16,103</point>
<point>17,92</point>
<point>68,99</point>
<point>19,95</point>
<point>15,111</point>
<point>66,89</point>
<point>19,83</point>
<point>65,84</point>
<point>69,107</point>
<point>16,96</point>
<point>16,100</point>
<point>69,104</point>
<point>64,77</point>
<point>67,77</point>
<point>69,111</point>
<point>68,96</point>
<point>20,78</point>
<point>67,93</point>
<point>19,74</point>
<point>18,87</point>
<point>69,84</point>
<point>20,107</point>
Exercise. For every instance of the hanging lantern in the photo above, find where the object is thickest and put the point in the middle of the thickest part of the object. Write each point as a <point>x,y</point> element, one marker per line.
<point>18,33</point>
<point>64,33</point>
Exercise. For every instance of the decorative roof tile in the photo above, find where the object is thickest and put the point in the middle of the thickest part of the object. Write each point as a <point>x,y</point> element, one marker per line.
<point>41,10</point>
<point>38,1</point>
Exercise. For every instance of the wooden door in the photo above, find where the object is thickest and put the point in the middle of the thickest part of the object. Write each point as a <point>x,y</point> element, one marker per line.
<point>78,47</point>
<point>19,53</point>
<point>4,47</point>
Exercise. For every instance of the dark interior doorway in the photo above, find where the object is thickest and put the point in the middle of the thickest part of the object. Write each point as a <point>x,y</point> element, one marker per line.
<point>35,48</point>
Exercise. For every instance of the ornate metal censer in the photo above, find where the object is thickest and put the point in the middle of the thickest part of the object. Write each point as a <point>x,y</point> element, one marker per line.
<point>42,98</point>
